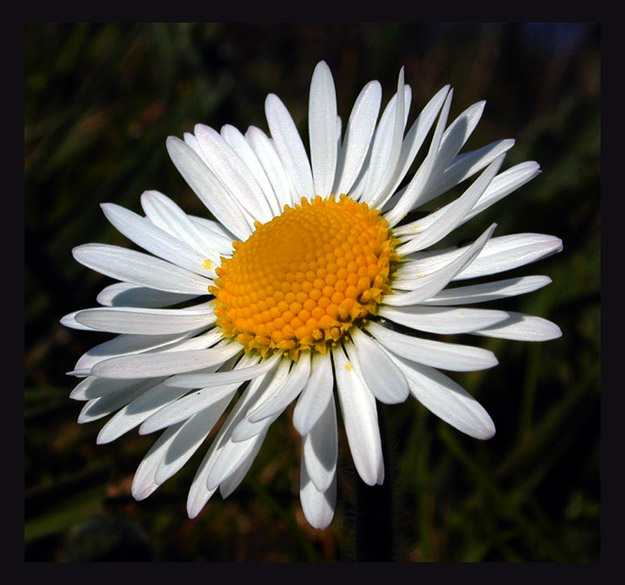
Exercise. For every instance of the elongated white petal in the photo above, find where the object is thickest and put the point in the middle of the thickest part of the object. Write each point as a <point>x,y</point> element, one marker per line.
<point>432,283</point>
<point>278,400</point>
<point>169,217</point>
<point>383,378</point>
<point>412,143</point>
<point>144,482</point>
<point>157,241</point>
<point>145,321</point>
<point>360,417</point>
<point>188,439</point>
<point>124,345</point>
<point>448,400</point>
<point>138,410</point>
<point>488,291</point>
<point>316,394</point>
<point>211,380</point>
<point>499,254</point>
<point>267,155</point>
<point>93,387</point>
<point>320,448</point>
<point>186,407</point>
<point>322,129</point>
<point>457,134</point>
<point>151,365</point>
<point>318,506</point>
<point>508,252</point>
<point>138,268</point>
<point>379,185</point>
<point>437,225</point>
<point>289,145</point>
<point>504,184</point>
<point>208,188</point>
<point>413,193</point>
<point>523,328</point>
<point>357,137</point>
<point>464,166</point>
<point>230,483</point>
<point>241,146</point>
<point>130,295</point>
<point>438,354</point>
<point>246,428</point>
<point>443,320</point>
<point>105,405</point>
<point>382,144</point>
<point>232,173</point>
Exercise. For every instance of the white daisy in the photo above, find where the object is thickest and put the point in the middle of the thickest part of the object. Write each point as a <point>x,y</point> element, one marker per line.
<point>309,285</point>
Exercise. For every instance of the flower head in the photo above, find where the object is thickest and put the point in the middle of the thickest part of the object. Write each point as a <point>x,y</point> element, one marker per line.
<point>309,284</point>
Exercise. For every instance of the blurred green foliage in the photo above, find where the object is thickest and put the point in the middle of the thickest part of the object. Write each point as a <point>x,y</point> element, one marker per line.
<point>100,99</point>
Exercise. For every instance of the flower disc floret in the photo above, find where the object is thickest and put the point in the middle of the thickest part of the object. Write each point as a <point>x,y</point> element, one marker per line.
<point>303,279</point>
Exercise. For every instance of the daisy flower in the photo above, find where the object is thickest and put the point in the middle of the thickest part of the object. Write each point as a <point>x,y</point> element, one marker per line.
<point>310,285</point>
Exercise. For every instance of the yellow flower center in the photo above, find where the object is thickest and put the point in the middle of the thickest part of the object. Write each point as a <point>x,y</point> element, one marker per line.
<point>303,279</point>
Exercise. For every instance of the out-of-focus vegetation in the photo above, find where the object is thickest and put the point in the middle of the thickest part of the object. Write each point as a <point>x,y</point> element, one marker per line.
<point>100,100</point>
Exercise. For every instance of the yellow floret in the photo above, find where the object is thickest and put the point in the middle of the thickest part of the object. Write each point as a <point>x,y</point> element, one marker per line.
<point>303,279</point>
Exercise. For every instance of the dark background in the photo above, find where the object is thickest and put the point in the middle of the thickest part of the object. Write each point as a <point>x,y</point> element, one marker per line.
<point>100,100</point>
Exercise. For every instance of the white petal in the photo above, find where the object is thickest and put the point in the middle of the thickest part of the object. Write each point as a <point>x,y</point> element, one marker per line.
<point>289,145</point>
<point>274,169</point>
<point>157,241</point>
<point>208,188</point>
<point>357,137</point>
<point>168,216</point>
<point>142,269</point>
<point>232,173</point>
<point>489,291</point>
<point>382,376</point>
<point>322,129</point>
<point>187,440</point>
<point>230,483</point>
<point>448,400</point>
<point>123,345</point>
<point>246,428</point>
<point>241,146</point>
<point>504,184</point>
<point>437,225</point>
<point>135,412</point>
<point>360,418</point>
<point>187,406</point>
<point>377,188</point>
<point>145,321</point>
<point>523,327</point>
<point>428,285</point>
<point>508,252</point>
<point>382,144</point>
<point>443,320</point>
<point>316,395</point>
<point>318,507</point>
<point>277,400</point>
<point>144,482</point>
<point>413,193</point>
<point>413,141</point>
<point>131,295</point>
<point>499,254</point>
<point>438,354</point>
<point>93,387</point>
<point>320,449</point>
<point>167,363</point>
<point>464,166</point>
<point>211,380</point>
<point>114,400</point>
